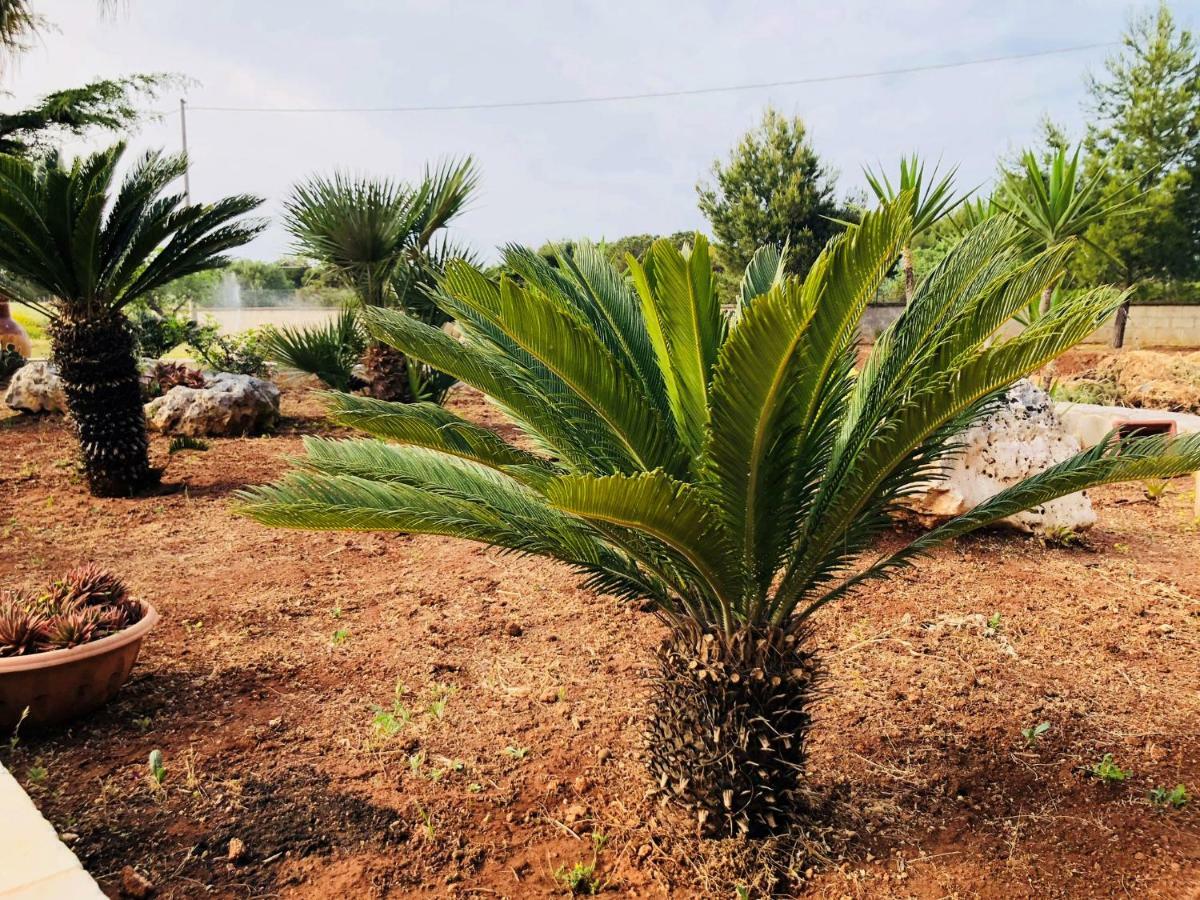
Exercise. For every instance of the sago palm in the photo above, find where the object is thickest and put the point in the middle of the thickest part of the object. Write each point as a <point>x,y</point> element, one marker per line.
<point>387,241</point>
<point>734,471</point>
<point>80,246</point>
<point>931,200</point>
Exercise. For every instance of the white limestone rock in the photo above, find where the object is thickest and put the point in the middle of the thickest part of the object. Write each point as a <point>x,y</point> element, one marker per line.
<point>1023,437</point>
<point>36,388</point>
<point>228,404</point>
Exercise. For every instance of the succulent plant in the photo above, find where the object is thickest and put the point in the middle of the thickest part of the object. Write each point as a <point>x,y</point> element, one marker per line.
<point>87,604</point>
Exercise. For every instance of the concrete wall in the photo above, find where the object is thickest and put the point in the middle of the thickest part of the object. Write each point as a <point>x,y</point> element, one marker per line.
<point>1149,326</point>
<point>231,321</point>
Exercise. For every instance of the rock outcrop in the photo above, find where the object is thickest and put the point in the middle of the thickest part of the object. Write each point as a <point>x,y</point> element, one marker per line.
<point>36,388</point>
<point>228,404</point>
<point>1021,438</point>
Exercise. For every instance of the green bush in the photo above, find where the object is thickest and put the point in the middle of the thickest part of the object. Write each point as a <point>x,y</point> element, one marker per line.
<point>242,354</point>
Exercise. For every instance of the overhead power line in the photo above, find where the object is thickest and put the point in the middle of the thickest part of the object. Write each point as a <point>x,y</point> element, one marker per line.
<point>655,95</point>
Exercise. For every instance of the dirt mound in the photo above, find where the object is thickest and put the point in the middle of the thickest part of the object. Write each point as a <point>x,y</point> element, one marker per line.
<point>1139,378</point>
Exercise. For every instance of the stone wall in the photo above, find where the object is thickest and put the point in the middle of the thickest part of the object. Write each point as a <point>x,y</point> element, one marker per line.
<point>1149,326</point>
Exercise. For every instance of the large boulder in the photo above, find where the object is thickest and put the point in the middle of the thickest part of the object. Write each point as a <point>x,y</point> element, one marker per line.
<point>1021,438</point>
<point>228,404</point>
<point>36,388</point>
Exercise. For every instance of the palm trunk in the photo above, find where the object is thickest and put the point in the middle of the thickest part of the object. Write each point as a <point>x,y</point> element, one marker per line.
<point>1119,324</point>
<point>910,278</point>
<point>727,727</point>
<point>388,374</point>
<point>95,359</point>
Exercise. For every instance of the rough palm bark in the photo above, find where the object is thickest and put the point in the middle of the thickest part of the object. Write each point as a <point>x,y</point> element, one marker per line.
<point>727,727</point>
<point>96,362</point>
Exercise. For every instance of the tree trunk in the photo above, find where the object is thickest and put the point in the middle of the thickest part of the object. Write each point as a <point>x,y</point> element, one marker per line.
<point>95,359</point>
<point>910,278</point>
<point>1119,324</point>
<point>727,727</point>
<point>387,374</point>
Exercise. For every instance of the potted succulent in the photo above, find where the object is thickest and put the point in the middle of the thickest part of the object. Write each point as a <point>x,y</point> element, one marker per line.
<point>67,650</point>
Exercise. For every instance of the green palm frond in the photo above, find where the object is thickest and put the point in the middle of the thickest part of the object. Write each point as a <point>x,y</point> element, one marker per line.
<point>70,233</point>
<point>930,200</point>
<point>736,471</point>
<point>329,350</point>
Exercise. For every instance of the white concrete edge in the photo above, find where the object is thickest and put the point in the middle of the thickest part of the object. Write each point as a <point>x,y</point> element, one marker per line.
<point>34,863</point>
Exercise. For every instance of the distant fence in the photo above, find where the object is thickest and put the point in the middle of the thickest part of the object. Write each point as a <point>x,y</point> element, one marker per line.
<point>231,321</point>
<point>1148,326</point>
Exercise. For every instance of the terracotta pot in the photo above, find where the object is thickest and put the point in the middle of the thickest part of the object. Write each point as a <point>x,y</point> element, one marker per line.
<point>61,684</point>
<point>12,333</point>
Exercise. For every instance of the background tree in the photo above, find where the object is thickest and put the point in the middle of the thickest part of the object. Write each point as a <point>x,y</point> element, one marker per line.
<point>387,241</point>
<point>1144,122</point>
<point>931,201</point>
<point>115,105</point>
<point>773,190</point>
<point>79,248</point>
<point>734,471</point>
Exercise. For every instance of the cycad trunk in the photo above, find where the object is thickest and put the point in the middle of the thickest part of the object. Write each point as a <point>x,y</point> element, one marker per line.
<point>910,277</point>
<point>387,374</point>
<point>728,724</point>
<point>95,359</point>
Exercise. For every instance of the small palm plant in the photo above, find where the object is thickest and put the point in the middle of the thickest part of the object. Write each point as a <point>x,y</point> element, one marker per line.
<point>1055,205</point>
<point>387,241</point>
<point>734,471</point>
<point>931,201</point>
<point>80,248</point>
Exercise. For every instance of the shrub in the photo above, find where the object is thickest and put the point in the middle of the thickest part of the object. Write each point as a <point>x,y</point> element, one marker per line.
<point>242,354</point>
<point>157,332</point>
<point>329,350</point>
<point>165,375</point>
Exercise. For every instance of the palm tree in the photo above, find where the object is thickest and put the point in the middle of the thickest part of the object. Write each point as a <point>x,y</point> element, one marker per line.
<point>80,248</point>
<point>930,202</point>
<point>1055,205</point>
<point>734,471</point>
<point>386,240</point>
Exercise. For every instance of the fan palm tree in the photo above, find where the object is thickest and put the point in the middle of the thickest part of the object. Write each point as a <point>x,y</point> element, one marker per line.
<point>386,240</point>
<point>931,201</point>
<point>80,248</point>
<point>734,471</point>
<point>1054,205</point>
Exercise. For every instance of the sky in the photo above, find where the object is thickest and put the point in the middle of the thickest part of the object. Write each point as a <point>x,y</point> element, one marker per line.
<point>599,170</point>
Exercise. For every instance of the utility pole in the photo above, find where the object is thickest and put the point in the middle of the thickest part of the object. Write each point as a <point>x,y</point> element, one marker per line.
<point>187,184</point>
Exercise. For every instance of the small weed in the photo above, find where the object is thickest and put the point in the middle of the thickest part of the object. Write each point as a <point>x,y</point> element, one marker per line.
<point>193,627</point>
<point>1175,798</point>
<point>390,722</point>
<point>415,761</point>
<point>474,787</point>
<point>743,892</point>
<point>427,826</point>
<point>1062,536</point>
<point>517,753</point>
<point>1155,488</point>
<point>994,622</point>
<point>336,612</point>
<point>599,840</point>
<point>15,738</point>
<point>437,708</point>
<point>183,442</point>
<point>1034,733</point>
<point>1107,770</point>
<point>143,723</point>
<point>37,773</point>
<point>158,771</point>
<point>340,637</point>
<point>579,879</point>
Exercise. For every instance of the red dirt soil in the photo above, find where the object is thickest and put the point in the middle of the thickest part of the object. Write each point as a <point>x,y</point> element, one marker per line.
<point>263,684</point>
